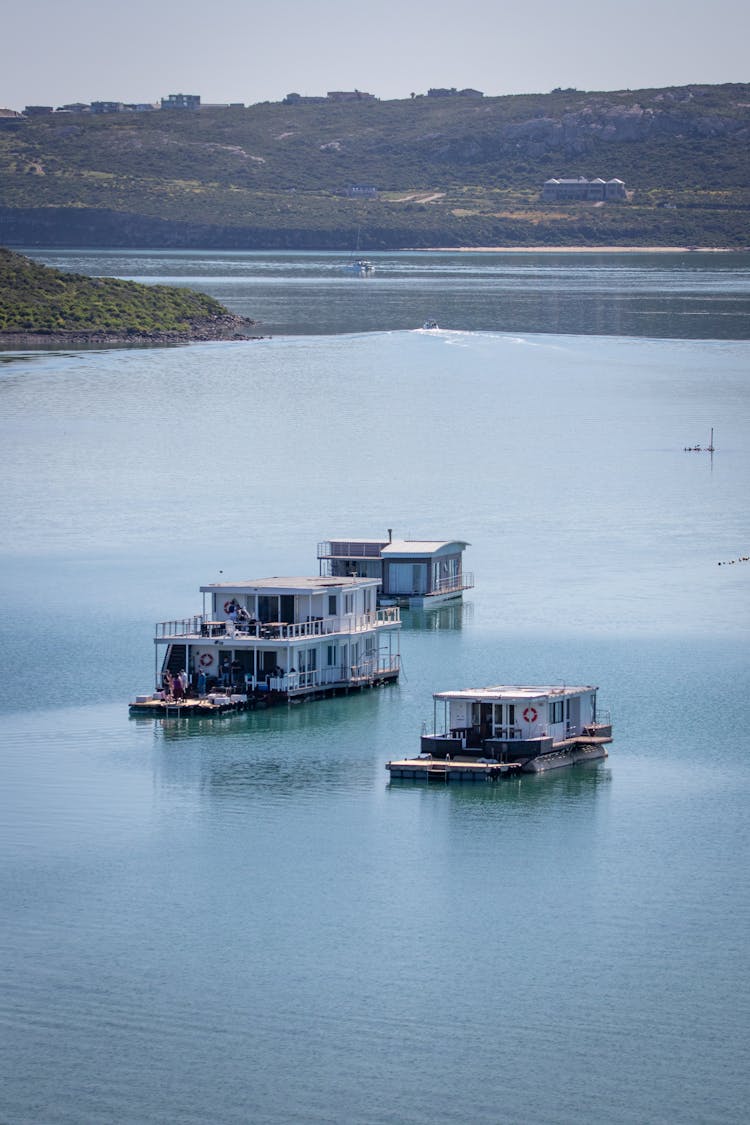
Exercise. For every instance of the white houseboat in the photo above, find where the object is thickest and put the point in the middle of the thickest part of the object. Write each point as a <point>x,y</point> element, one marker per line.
<point>495,731</point>
<point>411,572</point>
<point>273,640</point>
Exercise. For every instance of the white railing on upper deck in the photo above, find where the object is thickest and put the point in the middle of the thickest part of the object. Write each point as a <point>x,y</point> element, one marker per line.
<point>349,549</point>
<point>185,627</point>
<point>200,627</point>
<point>463,581</point>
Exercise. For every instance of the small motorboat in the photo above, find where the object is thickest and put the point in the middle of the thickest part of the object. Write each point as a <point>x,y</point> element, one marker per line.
<point>361,266</point>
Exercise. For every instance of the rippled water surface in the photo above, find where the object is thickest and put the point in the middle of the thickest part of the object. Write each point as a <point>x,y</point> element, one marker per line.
<point>242,920</point>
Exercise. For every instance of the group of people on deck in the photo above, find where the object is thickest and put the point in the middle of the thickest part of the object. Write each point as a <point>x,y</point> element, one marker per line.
<point>175,687</point>
<point>231,677</point>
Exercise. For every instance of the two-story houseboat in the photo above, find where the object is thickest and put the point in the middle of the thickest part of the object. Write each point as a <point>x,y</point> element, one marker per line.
<point>277,639</point>
<point>412,572</point>
<point>494,731</point>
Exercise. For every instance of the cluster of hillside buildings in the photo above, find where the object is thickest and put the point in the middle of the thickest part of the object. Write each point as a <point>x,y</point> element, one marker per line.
<point>361,96</point>
<point>172,101</point>
<point>193,102</point>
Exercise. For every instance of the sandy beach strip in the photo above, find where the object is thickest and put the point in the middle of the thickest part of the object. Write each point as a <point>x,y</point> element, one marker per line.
<point>583,249</point>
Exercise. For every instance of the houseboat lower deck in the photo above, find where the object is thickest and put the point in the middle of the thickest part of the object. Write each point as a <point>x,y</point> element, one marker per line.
<point>161,705</point>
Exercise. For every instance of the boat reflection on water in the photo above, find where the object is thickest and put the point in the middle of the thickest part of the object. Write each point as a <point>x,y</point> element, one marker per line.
<point>444,617</point>
<point>274,754</point>
<point>580,785</point>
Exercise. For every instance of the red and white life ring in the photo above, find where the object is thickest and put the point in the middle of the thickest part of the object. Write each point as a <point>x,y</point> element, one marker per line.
<point>530,715</point>
<point>229,606</point>
<point>206,659</point>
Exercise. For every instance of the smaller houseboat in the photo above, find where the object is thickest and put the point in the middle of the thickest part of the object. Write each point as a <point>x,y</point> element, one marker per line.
<point>415,573</point>
<point>498,731</point>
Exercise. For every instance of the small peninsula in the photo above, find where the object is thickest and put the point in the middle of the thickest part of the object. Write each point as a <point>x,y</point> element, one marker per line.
<point>40,306</point>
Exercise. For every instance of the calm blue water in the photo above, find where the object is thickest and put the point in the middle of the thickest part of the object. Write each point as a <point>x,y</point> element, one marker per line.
<point>244,921</point>
<point>688,295</point>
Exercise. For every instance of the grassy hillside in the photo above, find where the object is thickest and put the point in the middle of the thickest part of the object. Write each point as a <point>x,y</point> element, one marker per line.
<point>449,171</point>
<point>39,301</point>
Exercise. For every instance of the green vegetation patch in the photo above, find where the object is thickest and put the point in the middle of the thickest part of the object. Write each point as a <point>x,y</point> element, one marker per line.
<point>37,299</point>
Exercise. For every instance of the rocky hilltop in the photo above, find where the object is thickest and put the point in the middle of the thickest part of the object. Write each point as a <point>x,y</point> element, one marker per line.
<point>448,171</point>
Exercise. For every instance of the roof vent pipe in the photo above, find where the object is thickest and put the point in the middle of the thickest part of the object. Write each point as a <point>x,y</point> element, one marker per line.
<point>390,534</point>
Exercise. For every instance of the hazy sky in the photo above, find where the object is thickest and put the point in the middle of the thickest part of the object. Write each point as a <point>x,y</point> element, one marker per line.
<point>58,51</point>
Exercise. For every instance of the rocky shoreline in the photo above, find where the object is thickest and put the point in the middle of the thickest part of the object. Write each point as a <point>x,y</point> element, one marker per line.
<point>221,328</point>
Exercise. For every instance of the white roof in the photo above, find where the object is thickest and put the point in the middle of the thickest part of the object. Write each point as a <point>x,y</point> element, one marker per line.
<point>303,585</point>
<point>422,547</point>
<point>514,692</point>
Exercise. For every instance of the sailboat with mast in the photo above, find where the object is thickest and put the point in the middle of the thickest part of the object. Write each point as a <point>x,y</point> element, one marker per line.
<point>363,267</point>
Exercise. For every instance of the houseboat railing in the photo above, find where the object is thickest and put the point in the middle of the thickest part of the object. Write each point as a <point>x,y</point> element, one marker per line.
<point>603,719</point>
<point>557,731</point>
<point>348,549</point>
<point>184,627</point>
<point>462,581</point>
<point>322,677</point>
<point>201,627</point>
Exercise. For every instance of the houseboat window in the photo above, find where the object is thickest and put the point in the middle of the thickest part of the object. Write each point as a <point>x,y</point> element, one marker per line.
<point>268,607</point>
<point>332,654</point>
<point>331,605</point>
<point>556,712</point>
<point>367,603</point>
<point>348,603</point>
